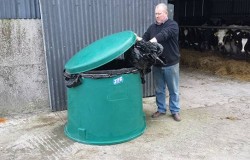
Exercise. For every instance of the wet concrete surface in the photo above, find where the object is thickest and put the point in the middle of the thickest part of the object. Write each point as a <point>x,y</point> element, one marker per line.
<point>215,125</point>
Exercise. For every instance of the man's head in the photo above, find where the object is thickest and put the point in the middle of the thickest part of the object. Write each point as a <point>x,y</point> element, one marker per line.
<point>161,13</point>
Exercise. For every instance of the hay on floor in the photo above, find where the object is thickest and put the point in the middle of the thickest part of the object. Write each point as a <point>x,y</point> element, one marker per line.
<point>209,61</point>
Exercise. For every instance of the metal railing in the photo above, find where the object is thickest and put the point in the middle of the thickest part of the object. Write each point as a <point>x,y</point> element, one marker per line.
<point>219,27</point>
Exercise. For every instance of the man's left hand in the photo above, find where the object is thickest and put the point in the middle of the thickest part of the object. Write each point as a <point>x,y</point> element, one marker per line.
<point>153,40</point>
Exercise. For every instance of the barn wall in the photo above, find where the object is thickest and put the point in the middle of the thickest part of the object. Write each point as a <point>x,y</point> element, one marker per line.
<point>19,9</point>
<point>23,79</point>
<point>70,26</point>
<point>197,12</point>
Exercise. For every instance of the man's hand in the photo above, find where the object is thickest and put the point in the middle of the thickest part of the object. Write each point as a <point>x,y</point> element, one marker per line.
<point>153,40</point>
<point>138,38</point>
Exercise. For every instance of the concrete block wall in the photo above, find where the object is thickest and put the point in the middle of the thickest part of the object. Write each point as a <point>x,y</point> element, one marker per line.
<point>23,76</point>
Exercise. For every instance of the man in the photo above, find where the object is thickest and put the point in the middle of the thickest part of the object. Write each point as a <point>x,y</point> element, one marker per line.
<point>166,32</point>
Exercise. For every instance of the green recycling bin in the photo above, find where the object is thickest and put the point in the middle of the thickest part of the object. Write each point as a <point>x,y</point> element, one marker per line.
<point>104,98</point>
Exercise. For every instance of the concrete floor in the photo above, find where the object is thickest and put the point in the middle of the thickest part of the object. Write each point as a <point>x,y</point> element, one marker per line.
<point>215,125</point>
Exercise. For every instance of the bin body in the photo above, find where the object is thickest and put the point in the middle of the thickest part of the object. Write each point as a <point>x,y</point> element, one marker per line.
<point>106,110</point>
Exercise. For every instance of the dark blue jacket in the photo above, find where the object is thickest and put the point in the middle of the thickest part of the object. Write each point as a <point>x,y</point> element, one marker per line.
<point>167,35</point>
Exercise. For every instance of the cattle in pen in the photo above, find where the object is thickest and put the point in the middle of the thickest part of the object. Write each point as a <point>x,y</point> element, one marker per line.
<point>229,41</point>
<point>242,44</point>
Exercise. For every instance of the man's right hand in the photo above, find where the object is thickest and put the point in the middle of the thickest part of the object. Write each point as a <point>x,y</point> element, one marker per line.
<point>138,38</point>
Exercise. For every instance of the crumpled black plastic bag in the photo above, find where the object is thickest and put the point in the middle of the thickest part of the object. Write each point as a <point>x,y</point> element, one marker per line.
<point>143,55</point>
<point>72,80</point>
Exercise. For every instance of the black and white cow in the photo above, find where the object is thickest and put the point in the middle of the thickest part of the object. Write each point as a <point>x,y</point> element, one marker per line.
<point>208,41</point>
<point>184,37</point>
<point>242,42</point>
<point>228,44</point>
<point>188,38</point>
<point>225,39</point>
<point>221,34</point>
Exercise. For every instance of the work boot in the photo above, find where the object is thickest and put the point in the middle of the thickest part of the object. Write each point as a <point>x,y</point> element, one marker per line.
<point>157,114</point>
<point>176,117</point>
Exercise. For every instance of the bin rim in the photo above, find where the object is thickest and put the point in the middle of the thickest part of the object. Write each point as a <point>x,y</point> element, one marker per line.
<point>100,52</point>
<point>97,74</point>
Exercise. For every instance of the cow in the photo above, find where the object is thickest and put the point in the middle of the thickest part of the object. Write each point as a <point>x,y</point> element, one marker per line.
<point>242,43</point>
<point>220,34</point>
<point>183,38</point>
<point>197,38</point>
<point>191,37</point>
<point>188,38</point>
<point>228,43</point>
<point>208,39</point>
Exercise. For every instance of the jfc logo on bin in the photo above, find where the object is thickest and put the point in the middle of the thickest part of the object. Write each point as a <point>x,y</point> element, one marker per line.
<point>118,80</point>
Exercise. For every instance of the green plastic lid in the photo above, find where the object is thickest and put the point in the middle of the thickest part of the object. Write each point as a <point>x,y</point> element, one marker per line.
<point>100,52</point>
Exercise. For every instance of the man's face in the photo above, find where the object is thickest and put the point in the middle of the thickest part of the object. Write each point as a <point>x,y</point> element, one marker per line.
<point>160,15</point>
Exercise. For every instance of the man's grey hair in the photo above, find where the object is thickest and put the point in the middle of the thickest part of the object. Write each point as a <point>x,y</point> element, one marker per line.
<point>162,5</point>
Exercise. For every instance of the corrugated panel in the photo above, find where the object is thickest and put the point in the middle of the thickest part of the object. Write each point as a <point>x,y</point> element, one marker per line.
<point>19,9</point>
<point>72,25</point>
<point>222,7</point>
<point>230,7</point>
<point>241,7</point>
